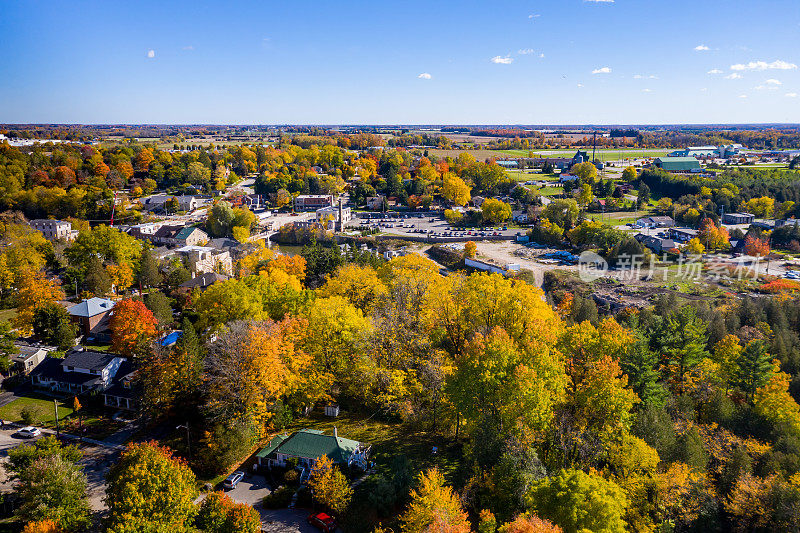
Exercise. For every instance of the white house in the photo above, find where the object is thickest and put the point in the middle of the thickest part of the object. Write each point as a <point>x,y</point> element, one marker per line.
<point>54,229</point>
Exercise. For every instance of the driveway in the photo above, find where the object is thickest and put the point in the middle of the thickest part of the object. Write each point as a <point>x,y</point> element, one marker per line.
<point>252,489</point>
<point>285,521</point>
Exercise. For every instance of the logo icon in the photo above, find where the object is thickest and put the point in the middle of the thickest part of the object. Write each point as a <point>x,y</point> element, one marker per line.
<point>591,266</point>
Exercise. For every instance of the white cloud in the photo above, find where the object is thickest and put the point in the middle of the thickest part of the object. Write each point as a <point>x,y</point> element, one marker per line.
<point>151,54</point>
<point>702,48</point>
<point>580,85</point>
<point>424,76</point>
<point>704,89</point>
<point>715,71</point>
<point>791,95</point>
<point>541,56</point>
<point>637,76</point>
<point>532,16</point>
<point>600,1</point>
<point>763,65</point>
<point>734,76</point>
<point>742,96</point>
<point>773,81</point>
<point>190,47</point>
<point>652,77</point>
<point>526,51</point>
<point>603,70</point>
<point>507,60</point>
<point>647,90</point>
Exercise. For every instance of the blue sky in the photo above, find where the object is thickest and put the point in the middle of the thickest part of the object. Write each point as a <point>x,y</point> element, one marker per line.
<point>464,62</point>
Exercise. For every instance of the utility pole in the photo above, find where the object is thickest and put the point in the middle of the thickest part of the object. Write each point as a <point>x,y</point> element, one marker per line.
<point>188,438</point>
<point>55,410</point>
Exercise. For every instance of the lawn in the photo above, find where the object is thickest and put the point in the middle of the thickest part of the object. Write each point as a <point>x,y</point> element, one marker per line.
<point>388,439</point>
<point>42,408</point>
<point>7,314</point>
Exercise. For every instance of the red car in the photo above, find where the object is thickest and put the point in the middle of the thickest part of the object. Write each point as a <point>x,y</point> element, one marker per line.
<point>323,522</point>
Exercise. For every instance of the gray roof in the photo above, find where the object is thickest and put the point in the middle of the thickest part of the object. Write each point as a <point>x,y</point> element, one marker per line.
<point>91,307</point>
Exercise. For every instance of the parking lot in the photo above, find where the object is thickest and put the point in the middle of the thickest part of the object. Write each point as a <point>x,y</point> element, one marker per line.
<point>420,225</point>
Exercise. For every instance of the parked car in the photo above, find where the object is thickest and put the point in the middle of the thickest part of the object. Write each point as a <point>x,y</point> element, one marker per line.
<point>233,480</point>
<point>323,522</point>
<point>29,432</point>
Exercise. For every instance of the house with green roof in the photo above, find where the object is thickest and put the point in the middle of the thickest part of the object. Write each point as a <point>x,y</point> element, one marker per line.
<point>308,445</point>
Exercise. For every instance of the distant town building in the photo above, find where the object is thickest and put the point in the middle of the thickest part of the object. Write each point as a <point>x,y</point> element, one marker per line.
<point>655,222</point>
<point>738,218</point>
<point>682,234</point>
<point>678,164</point>
<point>54,229</point>
<point>180,235</point>
<point>312,201</point>
<point>203,259</point>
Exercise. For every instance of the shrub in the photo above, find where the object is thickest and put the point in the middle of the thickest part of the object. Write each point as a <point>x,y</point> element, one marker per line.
<point>278,498</point>
<point>30,415</point>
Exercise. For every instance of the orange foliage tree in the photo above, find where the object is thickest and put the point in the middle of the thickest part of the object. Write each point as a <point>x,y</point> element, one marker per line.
<point>755,246</point>
<point>131,324</point>
<point>42,526</point>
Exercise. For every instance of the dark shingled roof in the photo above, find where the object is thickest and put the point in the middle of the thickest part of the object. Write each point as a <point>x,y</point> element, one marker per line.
<point>89,359</point>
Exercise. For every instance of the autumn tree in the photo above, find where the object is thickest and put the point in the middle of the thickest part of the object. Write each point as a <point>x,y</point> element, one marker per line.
<point>629,174</point>
<point>586,171</point>
<point>434,507</point>
<point>526,523</point>
<point>359,284</point>
<point>577,501</point>
<point>329,487</point>
<point>96,279</point>
<point>712,236</point>
<point>148,275</point>
<point>53,324</point>
<point>756,247</point>
<point>33,290</point>
<point>469,249</point>
<point>132,324</point>
<point>42,526</point>
<point>220,514</point>
<point>495,211</point>
<point>454,189</point>
<point>150,490</point>
<point>53,488</point>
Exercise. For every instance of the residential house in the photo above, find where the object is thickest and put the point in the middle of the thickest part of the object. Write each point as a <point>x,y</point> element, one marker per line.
<point>682,234</point>
<point>181,235</point>
<point>80,371</point>
<point>54,229</point>
<point>738,218</point>
<point>477,201</point>
<point>204,259</point>
<point>145,231</point>
<point>312,201</point>
<point>787,222</point>
<point>375,202</point>
<point>92,315</point>
<point>29,356</point>
<point>655,222</point>
<point>308,445</point>
<point>124,391</point>
<point>656,244</point>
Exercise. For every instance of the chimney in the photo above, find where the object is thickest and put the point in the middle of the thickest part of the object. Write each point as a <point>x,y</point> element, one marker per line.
<point>335,432</point>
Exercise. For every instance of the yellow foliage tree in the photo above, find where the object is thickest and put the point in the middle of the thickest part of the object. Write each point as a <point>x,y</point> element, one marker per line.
<point>33,289</point>
<point>434,507</point>
<point>328,485</point>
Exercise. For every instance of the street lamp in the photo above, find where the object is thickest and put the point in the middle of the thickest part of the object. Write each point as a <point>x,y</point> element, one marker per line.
<point>188,437</point>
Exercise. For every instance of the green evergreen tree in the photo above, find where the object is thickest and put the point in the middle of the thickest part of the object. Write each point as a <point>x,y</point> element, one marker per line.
<point>149,275</point>
<point>753,368</point>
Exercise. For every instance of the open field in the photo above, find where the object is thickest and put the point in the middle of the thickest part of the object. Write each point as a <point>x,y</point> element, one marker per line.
<point>7,314</point>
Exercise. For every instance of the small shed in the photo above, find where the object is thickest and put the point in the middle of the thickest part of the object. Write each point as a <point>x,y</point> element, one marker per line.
<point>332,410</point>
